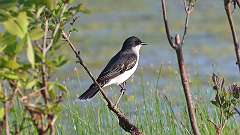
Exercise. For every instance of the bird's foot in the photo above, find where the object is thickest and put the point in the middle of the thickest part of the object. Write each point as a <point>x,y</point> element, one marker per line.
<point>115,106</point>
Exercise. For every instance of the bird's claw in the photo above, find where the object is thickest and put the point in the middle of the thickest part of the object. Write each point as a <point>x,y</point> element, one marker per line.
<point>115,106</point>
<point>122,90</point>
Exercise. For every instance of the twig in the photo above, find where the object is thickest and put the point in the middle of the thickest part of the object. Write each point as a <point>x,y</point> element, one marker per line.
<point>170,38</point>
<point>56,28</point>
<point>33,94</point>
<point>43,65</point>
<point>227,5</point>
<point>237,111</point>
<point>123,121</point>
<point>185,29</point>
<point>177,46</point>
<point>51,121</point>
<point>36,116</point>
<point>8,104</point>
<point>218,128</point>
<point>215,126</point>
<point>188,9</point>
<point>237,2</point>
<point>6,111</point>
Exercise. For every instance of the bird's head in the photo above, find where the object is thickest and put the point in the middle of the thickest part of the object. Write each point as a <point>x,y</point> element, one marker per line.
<point>133,43</point>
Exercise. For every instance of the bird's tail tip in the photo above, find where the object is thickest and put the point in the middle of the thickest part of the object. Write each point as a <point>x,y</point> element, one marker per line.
<point>90,93</point>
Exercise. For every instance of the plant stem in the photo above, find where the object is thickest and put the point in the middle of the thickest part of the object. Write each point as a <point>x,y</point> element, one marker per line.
<point>186,88</point>
<point>6,111</point>
<point>177,46</point>
<point>228,9</point>
<point>43,65</point>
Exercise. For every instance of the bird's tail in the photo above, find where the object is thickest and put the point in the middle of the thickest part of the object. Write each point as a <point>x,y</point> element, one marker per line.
<point>90,92</point>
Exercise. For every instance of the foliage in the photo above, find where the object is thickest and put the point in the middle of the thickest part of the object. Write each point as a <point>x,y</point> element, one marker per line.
<point>227,99</point>
<point>29,54</point>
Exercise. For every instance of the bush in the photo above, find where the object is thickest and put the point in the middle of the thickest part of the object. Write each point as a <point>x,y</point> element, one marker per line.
<point>30,38</point>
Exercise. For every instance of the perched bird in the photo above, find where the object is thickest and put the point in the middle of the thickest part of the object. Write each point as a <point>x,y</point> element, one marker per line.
<point>119,68</point>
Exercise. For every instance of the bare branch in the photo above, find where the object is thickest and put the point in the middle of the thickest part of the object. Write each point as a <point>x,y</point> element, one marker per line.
<point>237,2</point>
<point>45,37</point>
<point>8,104</point>
<point>215,125</point>
<point>185,29</point>
<point>123,121</point>
<point>188,9</point>
<point>6,117</point>
<point>43,65</point>
<point>228,8</point>
<point>56,28</point>
<point>237,111</point>
<point>170,38</point>
<point>33,94</point>
<point>177,46</point>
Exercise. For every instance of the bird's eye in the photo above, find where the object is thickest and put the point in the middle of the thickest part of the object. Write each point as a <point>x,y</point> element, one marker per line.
<point>137,42</point>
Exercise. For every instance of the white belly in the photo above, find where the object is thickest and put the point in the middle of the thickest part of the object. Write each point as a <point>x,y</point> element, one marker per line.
<point>123,77</point>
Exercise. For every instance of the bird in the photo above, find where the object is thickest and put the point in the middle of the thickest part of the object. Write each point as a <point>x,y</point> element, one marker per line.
<point>119,68</point>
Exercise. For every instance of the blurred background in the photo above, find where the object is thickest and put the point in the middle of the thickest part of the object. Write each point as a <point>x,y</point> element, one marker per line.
<point>208,48</point>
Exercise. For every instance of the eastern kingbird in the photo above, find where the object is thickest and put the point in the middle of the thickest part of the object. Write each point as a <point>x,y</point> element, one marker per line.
<point>119,68</point>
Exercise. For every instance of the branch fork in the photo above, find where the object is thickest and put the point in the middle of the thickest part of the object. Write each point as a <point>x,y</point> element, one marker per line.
<point>177,44</point>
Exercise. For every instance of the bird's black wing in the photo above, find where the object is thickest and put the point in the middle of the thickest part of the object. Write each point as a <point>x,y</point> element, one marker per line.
<point>120,63</point>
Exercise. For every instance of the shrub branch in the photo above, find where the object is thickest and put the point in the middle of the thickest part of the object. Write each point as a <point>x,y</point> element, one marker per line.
<point>177,46</point>
<point>228,10</point>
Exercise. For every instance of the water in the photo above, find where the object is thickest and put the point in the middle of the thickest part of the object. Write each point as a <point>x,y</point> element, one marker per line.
<point>208,47</point>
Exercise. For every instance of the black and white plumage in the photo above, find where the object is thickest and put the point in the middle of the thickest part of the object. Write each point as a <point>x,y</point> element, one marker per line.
<point>119,68</point>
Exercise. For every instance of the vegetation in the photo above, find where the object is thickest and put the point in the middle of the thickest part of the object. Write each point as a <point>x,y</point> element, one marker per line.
<point>33,40</point>
<point>28,47</point>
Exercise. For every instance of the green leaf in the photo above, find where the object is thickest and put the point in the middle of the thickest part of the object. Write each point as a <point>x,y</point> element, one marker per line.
<point>61,87</point>
<point>1,113</point>
<point>36,33</point>
<point>2,96</point>
<point>40,10</point>
<point>57,37</point>
<point>82,8</point>
<point>31,84</point>
<point>69,1</point>
<point>30,52</point>
<point>60,61</point>
<point>3,15</point>
<point>53,108</point>
<point>22,21</point>
<point>50,86</point>
<point>2,47</point>
<point>12,47</point>
<point>17,25</point>
<point>54,85</point>
<point>7,4</point>
<point>20,45</point>
<point>215,103</point>
<point>10,76</point>
<point>52,94</point>
<point>11,64</point>
<point>51,4</point>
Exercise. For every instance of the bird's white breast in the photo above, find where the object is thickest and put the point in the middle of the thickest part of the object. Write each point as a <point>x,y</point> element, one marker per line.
<point>124,76</point>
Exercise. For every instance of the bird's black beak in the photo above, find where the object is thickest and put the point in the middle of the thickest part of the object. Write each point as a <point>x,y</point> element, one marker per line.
<point>143,43</point>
